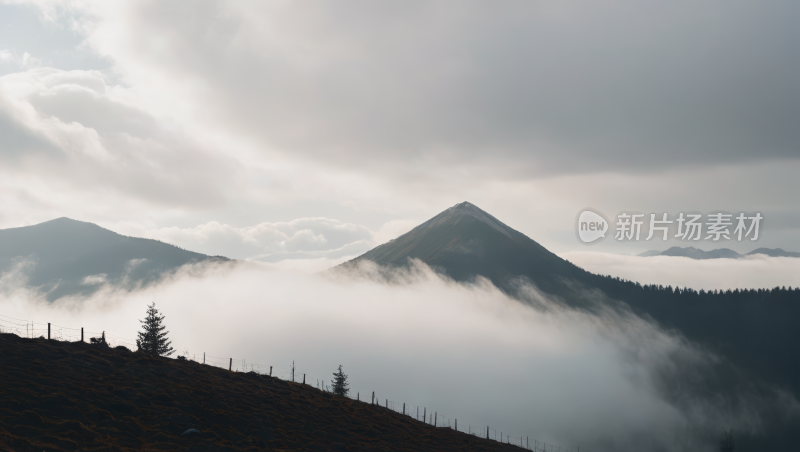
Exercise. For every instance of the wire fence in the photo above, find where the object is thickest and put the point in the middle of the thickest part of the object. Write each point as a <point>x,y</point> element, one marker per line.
<point>33,330</point>
<point>437,419</point>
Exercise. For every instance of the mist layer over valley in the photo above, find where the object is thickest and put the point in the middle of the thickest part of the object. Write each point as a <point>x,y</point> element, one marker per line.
<point>756,271</point>
<point>603,381</point>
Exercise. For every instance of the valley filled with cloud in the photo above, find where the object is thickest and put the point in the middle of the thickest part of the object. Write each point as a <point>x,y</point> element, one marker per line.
<point>467,351</point>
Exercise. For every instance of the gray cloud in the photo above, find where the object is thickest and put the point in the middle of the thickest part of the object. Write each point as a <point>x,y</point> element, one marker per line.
<point>530,88</point>
<point>30,37</point>
<point>68,126</point>
<point>16,141</point>
<point>309,238</point>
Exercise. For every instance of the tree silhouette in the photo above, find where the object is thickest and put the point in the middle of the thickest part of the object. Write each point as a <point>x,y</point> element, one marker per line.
<point>153,339</point>
<point>726,443</point>
<point>339,383</point>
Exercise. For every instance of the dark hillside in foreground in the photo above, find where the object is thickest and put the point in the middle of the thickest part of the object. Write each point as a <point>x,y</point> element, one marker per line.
<point>74,396</point>
<point>64,252</point>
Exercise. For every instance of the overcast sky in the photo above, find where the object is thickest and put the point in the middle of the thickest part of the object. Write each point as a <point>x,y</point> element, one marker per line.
<point>277,130</point>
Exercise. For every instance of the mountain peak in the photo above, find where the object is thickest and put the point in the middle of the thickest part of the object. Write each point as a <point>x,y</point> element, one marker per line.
<point>467,208</point>
<point>774,252</point>
<point>465,205</point>
<point>66,221</point>
<point>695,253</point>
<point>464,241</point>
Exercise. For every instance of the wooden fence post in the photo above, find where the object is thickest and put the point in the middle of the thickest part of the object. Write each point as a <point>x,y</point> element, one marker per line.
<point>487,432</point>
<point>387,403</point>
<point>230,365</point>
<point>456,424</point>
<point>270,371</point>
<point>204,357</point>
<point>81,334</point>
<point>425,415</point>
<point>404,408</point>
<point>48,331</point>
<point>435,418</point>
<point>373,397</point>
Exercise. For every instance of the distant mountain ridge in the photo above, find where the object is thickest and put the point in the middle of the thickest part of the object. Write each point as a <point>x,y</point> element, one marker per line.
<point>721,253</point>
<point>70,257</point>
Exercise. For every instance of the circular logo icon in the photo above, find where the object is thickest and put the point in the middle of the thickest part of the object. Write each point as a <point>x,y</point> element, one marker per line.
<point>591,226</point>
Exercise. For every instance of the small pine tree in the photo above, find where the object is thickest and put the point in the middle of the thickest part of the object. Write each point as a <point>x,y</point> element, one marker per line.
<point>153,339</point>
<point>339,383</point>
<point>726,443</point>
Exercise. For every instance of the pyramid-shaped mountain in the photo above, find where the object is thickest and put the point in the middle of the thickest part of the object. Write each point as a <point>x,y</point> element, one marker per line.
<point>67,257</point>
<point>464,242</point>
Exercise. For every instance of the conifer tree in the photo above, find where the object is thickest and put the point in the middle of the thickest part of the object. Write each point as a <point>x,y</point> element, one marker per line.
<point>339,383</point>
<point>153,339</point>
<point>726,443</point>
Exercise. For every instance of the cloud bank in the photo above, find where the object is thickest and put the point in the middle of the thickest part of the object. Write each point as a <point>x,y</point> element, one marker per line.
<point>303,238</point>
<point>750,272</point>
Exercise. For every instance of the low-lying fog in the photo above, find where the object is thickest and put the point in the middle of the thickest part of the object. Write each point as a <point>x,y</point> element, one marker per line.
<point>465,351</point>
<point>750,272</point>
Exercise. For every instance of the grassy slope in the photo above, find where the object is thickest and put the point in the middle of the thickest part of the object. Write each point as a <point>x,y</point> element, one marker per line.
<point>73,396</point>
